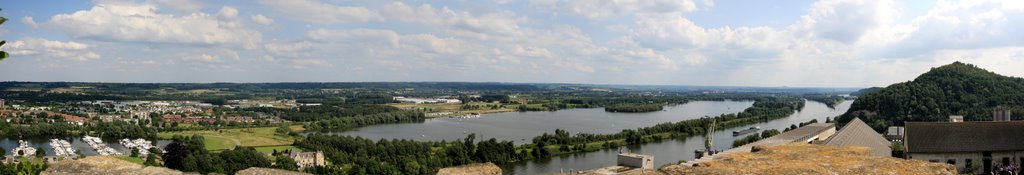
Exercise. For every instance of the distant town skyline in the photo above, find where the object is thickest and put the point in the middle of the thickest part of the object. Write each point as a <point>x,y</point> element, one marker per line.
<point>828,43</point>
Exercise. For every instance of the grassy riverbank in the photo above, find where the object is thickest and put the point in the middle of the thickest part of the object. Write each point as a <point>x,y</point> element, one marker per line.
<point>457,108</point>
<point>218,140</point>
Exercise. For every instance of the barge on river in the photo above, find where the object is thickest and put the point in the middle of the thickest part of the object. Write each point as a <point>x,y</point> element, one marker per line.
<point>746,131</point>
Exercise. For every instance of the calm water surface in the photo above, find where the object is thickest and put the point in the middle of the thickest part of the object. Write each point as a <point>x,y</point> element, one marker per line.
<point>521,127</point>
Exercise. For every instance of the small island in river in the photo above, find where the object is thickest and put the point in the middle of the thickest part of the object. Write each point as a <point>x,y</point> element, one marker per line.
<point>633,107</point>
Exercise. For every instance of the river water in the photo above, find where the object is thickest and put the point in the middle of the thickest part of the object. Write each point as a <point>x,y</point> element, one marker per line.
<point>521,127</point>
<point>671,150</point>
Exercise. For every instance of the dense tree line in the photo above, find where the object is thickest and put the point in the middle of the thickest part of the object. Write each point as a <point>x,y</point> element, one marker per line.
<point>485,106</point>
<point>493,97</point>
<point>346,123</point>
<point>363,156</point>
<point>633,107</point>
<point>121,129</point>
<point>801,124</point>
<point>547,107</point>
<point>829,100</point>
<point>22,168</point>
<point>954,89</point>
<point>766,109</point>
<point>187,154</point>
<point>313,113</point>
<point>865,91</point>
<point>116,129</point>
<point>755,137</point>
<point>57,129</point>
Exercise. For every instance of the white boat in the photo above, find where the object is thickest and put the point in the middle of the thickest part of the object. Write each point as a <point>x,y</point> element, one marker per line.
<point>24,149</point>
<point>101,148</point>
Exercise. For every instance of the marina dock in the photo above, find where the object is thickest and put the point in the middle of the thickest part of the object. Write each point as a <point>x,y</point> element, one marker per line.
<point>101,148</point>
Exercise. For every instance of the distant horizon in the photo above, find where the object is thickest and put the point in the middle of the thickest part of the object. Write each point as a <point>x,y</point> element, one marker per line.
<point>482,82</point>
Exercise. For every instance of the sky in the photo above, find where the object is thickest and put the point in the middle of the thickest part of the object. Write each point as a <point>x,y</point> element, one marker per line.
<point>795,43</point>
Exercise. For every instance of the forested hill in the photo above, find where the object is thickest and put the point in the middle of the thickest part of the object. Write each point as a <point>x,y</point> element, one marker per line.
<point>953,89</point>
<point>865,91</point>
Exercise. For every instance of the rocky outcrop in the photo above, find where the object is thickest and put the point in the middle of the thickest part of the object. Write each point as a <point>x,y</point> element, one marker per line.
<point>472,169</point>
<point>811,159</point>
<point>268,171</point>
<point>107,166</point>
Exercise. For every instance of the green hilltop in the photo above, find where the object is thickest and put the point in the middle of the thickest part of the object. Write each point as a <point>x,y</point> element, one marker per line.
<point>953,89</point>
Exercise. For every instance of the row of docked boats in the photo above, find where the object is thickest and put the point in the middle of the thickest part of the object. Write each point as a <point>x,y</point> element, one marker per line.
<point>142,145</point>
<point>101,148</point>
<point>23,150</point>
<point>62,148</point>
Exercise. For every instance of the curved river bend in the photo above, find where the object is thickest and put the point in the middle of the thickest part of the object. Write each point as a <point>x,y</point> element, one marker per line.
<point>669,151</point>
<point>521,127</point>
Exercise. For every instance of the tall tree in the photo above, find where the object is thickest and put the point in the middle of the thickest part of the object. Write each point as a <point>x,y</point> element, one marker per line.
<point>3,54</point>
<point>285,163</point>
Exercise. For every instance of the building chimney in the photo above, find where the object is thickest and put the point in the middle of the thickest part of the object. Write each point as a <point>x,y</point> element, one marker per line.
<point>1001,113</point>
<point>956,118</point>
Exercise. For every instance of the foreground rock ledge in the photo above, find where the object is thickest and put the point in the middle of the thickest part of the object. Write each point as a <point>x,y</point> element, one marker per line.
<point>112,166</point>
<point>811,159</point>
<point>472,169</point>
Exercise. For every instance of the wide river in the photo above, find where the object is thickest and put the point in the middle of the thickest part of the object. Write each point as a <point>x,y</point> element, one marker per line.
<point>669,151</point>
<point>523,126</point>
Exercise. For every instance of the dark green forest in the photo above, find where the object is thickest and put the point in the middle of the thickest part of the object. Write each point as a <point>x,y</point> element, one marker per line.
<point>829,100</point>
<point>187,154</point>
<point>865,91</point>
<point>953,89</point>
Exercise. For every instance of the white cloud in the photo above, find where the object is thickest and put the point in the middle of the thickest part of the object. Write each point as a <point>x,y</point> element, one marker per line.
<point>288,47</point>
<point>543,2</point>
<point>672,41</point>
<point>228,13</point>
<point>318,12</point>
<point>260,19</point>
<point>181,5</point>
<point>52,49</point>
<point>456,22</point>
<point>142,23</point>
<point>27,20</point>
<point>308,63</point>
<point>963,25</point>
<point>360,37</point>
<point>599,9</point>
<point>629,41</point>
<point>203,58</point>
<point>846,21</point>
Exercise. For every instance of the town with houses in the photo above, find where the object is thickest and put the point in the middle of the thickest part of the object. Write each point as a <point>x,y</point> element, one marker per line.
<point>171,113</point>
<point>80,113</point>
